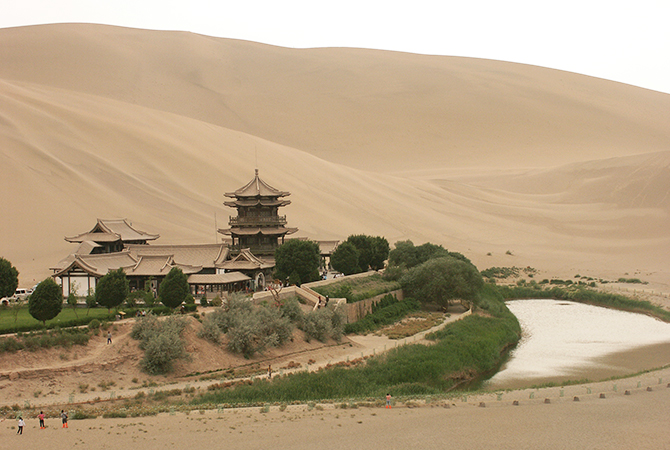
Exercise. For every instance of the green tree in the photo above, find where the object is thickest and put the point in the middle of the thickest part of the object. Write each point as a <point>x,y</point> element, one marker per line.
<point>380,252</point>
<point>72,298</point>
<point>112,289</point>
<point>345,258</point>
<point>174,289</point>
<point>372,251</point>
<point>441,280</point>
<point>90,302</point>
<point>46,302</point>
<point>9,278</point>
<point>301,257</point>
<point>406,255</point>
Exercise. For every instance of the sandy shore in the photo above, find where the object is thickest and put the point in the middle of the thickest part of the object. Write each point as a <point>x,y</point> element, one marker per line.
<point>545,418</point>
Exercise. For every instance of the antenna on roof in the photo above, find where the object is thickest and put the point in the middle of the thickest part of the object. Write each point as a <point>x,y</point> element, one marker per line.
<point>216,230</point>
<point>256,153</point>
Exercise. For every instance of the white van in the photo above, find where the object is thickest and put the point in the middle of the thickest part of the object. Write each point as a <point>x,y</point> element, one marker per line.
<point>20,294</point>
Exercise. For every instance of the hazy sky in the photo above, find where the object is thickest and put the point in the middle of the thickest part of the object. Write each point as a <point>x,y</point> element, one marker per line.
<point>626,41</point>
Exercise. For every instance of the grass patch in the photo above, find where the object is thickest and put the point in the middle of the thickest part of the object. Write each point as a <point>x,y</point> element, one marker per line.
<point>416,323</point>
<point>34,341</point>
<point>462,350</point>
<point>357,289</point>
<point>67,318</point>
<point>387,311</point>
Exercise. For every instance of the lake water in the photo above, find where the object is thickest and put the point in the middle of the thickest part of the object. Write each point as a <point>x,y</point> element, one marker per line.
<point>565,341</point>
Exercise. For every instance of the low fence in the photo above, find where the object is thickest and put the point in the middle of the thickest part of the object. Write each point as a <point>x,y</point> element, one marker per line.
<point>354,311</point>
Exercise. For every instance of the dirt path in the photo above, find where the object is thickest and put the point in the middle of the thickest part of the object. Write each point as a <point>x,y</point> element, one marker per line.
<point>112,366</point>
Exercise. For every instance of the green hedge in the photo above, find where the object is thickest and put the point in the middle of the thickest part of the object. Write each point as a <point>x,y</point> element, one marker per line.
<point>358,288</point>
<point>462,350</point>
<point>389,310</point>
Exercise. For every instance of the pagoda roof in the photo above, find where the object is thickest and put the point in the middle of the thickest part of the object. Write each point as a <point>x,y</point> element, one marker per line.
<point>251,231</point>
<point>248,261</point>
<point>257,188</point>
<point>112,230</point>
<point>253,201</point>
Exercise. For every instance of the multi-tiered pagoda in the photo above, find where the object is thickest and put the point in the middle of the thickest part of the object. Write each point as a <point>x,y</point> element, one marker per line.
<point>258,225</point>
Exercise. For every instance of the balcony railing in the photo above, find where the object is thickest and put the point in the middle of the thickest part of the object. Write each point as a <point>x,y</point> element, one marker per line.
<point>238,221</point>
<point>265,249</point>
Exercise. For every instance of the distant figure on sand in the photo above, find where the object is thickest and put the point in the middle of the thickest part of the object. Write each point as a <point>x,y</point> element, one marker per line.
<point>109,337</point>
<point>21,425</point>
<point>41,417</point>
<point>388,401</point>
<point>63,416</point>
<point>269,372</point>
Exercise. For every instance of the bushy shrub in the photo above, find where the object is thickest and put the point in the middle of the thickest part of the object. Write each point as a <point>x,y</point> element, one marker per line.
<point>249,329</point>
<point>94,324</point>
<point>161,342</point>
<point>210,330</point>
<point>291,309</point>
<point>324,324</point>
<point>217,302</point>
<point>203,301</point>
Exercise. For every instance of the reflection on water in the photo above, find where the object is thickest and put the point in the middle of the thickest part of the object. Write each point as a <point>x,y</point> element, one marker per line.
<point>568,341</point>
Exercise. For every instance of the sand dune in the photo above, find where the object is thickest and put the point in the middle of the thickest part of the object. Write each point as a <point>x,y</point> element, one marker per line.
<point>569,173</point>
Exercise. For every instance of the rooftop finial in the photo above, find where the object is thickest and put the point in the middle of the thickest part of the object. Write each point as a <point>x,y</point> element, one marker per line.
<point>256,172</point>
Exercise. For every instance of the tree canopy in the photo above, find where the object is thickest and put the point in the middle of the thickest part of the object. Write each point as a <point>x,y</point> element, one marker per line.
<point>371,252</point>
<point>440,280</point>
<point>345,258</point>
<point>9,278</point>
<point>46,302</point>
<point>405,254</point>
<point>112,289</point>
<point>174,289</point>
<point>298,260</point>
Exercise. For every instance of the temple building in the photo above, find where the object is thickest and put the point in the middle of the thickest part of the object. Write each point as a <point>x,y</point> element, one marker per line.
<point>108,236</point>
<point>258,225</point>
<point>245,263</point>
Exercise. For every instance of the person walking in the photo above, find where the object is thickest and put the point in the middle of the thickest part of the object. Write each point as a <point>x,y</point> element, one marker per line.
<point>109,337</point>
<point>41,417</point>
<point>269,372</point>
<point>388,401</point>
<point>21,425</point>
<point>63,416</point>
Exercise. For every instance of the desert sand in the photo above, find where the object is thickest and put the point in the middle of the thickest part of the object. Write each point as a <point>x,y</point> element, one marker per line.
<point>568,173</point>
<point>623,413</point>
<point>507,163</point>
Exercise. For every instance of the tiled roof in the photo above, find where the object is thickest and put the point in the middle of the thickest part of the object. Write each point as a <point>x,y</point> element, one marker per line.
<point>98,265</point>
<point>257,188</point>
<point>251,231</point>
<point>206,255</point>
<point>112,230</point>
<point>157,265</point>
<point>247,261</point>
<point>218,278</point>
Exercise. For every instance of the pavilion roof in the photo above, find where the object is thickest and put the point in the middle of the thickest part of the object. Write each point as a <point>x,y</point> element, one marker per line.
<point>157,265</point>
<point>251,231</point>
<point>205,255</point>
<point>217,278</point>
<point>246,260</point>
<point>250,202</point>
<point>257,188</point>
<point>112,230</point>
<point>97,265</point>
